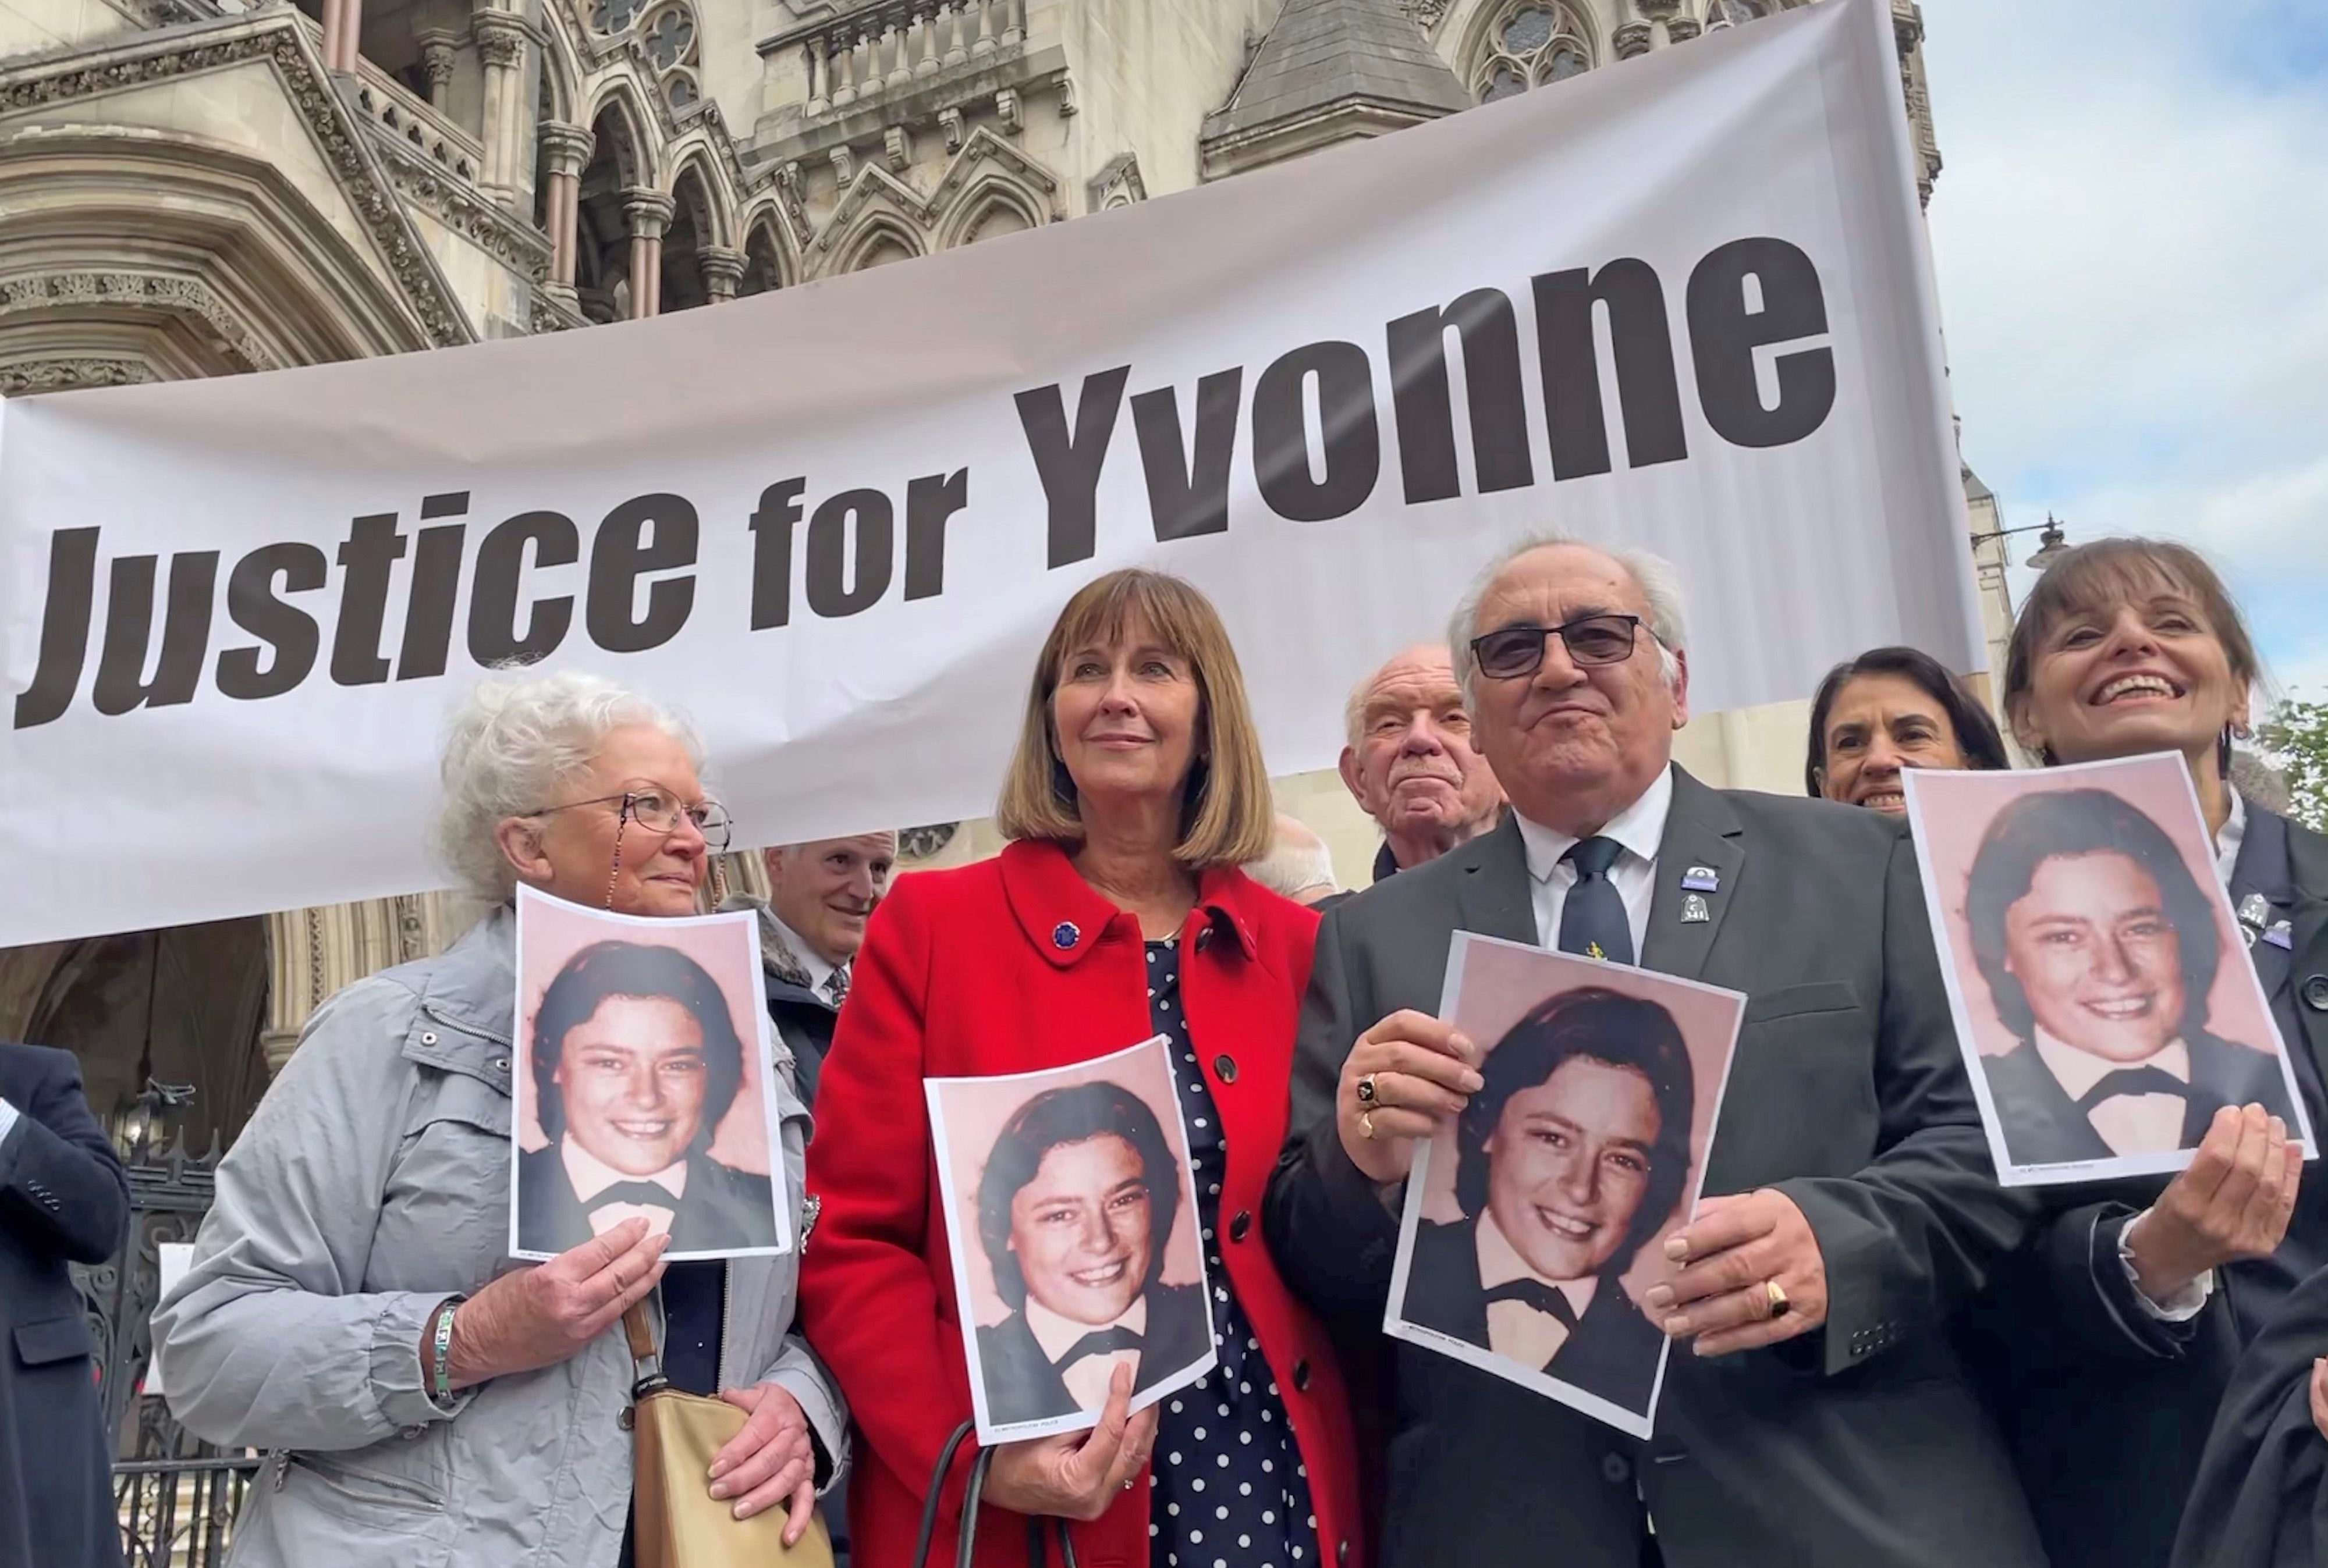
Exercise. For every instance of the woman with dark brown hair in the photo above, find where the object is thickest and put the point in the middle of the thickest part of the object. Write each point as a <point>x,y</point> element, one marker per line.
<point>1116,912</point>
<point>2111,1337</point>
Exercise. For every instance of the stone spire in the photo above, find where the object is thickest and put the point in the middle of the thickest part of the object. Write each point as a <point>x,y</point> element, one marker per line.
<point>1328,71</point>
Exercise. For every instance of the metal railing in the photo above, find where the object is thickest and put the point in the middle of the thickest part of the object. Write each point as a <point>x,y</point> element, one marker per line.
<point>179,1512</point>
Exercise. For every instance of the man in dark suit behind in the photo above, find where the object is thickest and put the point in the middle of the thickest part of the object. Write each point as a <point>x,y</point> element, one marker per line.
<point>63,1199</point>
<point>1824,1418</point>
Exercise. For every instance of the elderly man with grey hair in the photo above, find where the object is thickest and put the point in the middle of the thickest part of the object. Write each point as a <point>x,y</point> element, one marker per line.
<point>1410,762</point>
<point>351,1308</point>
<point>1817,1412</point>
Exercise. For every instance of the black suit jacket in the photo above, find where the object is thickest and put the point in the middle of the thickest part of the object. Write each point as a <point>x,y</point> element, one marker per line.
<point>2261,1495</point>
<point>725,1209</point>
<point>63,1199</point>
<point>1857,1445</point>
<point>2043,1126</point>
<point>2090,1388</point>
<point>1613,1352</point>
<point>1022,1385</point>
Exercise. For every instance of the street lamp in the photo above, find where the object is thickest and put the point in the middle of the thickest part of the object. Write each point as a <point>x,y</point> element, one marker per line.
<point>2051,545</point>
<point>146,1121</point>
<point>2053,541</point>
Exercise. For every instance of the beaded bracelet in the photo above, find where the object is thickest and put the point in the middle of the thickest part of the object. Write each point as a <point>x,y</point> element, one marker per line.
<point>440,1353</point>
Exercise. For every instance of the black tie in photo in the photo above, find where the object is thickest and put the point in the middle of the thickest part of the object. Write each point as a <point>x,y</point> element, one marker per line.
<point>2134,1081</point>
<point>1100,1342</point>
<point>1592,918</point>
<point>633,1193</point>
<point>1547,1299</point>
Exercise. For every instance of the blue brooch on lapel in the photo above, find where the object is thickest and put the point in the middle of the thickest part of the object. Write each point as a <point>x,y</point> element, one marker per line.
<point>1064,936</point>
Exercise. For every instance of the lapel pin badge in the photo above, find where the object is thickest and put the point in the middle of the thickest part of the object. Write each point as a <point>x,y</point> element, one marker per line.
<point>1064,936</point>
<point>1701,879</point>
<point>1694,910</point>
<point>2280,933</point>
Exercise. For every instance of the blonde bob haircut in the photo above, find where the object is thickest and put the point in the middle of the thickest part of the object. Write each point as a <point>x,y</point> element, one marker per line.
<point>1226,817</point>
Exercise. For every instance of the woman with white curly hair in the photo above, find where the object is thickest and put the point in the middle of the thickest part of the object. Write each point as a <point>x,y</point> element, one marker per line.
<point>351,1308</point>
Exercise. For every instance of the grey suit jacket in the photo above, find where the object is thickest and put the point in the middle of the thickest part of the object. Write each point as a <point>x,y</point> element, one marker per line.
<point>1859,1443</point>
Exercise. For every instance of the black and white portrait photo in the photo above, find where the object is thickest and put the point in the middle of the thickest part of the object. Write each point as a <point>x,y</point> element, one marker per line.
<point>633,1058</point>
<point>2101,993</point>
<point>1529,1226</point>
<point>1072,1210</point>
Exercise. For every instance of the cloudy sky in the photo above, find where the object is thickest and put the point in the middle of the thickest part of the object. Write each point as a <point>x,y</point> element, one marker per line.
<point>2132,241</point>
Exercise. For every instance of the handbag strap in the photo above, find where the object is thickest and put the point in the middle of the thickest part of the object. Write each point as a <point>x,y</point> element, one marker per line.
<point>644,1358</point>
<point>937,1486</point>
<point>965,1547</point>
<point>966,1538</point>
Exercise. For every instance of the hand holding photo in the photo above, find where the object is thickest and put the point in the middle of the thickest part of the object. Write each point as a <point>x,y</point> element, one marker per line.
<point>1070,1207</point>
<point>2106,1006</point>
<point>1525,1247</point>
<point>640,1078</point>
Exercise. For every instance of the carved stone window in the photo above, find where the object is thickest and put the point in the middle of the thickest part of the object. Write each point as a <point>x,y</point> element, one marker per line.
<point>615,15</point>
<point>668,39</point>
<point>1530,43</point>
<point>680,88</point>
<point>1730,13</point>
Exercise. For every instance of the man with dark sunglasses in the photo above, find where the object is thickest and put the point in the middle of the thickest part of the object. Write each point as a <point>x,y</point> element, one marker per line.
<point>1814,1410</point>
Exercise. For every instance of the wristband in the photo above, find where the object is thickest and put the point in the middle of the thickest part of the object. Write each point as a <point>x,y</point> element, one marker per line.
<point>440,1353</point>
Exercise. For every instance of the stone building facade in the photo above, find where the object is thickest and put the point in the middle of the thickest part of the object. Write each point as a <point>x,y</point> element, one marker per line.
<point>204,187</point>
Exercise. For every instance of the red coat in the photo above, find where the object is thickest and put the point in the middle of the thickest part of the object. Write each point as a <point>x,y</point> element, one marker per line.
<point>961,977</point>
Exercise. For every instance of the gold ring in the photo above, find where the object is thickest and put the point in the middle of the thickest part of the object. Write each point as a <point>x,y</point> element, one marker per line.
<point>1366,1123</point>
<point>1774,1300</point>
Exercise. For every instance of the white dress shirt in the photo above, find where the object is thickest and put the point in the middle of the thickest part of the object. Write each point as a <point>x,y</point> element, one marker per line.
<point>8,1114</point>
<point>811,961</point>
<point>2228,842</point>
<point>591,1176</point>
<point>1640,827</point>
<point>1086,1379</point>
<point>1516,1331</point>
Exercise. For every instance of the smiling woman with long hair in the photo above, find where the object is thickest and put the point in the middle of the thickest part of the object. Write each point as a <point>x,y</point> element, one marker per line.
<point>1116,912</point>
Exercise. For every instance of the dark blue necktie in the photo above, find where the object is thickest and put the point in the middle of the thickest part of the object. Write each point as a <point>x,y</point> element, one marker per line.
<point>1592,918</point>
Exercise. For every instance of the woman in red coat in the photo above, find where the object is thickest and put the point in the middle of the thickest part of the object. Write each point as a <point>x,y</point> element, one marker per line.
<point>1116,912</point>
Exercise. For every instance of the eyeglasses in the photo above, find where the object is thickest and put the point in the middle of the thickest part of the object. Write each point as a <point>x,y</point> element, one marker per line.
<point>659,813</point>
<point>1509,652</point>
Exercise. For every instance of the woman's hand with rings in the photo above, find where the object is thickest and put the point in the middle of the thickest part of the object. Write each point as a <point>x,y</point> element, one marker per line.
<point>1403,1079</point>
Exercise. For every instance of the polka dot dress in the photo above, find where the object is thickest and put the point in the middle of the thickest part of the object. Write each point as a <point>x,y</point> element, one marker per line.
<point>1230,1490</point>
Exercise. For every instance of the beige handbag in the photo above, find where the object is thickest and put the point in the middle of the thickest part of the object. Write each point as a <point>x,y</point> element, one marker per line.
<point>675,1521</point>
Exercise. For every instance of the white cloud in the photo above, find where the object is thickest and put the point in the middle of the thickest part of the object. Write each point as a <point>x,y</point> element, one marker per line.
<point>2129,233</point>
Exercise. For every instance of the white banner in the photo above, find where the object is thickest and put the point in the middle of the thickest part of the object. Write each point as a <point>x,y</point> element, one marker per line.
<point>1682,302</point>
